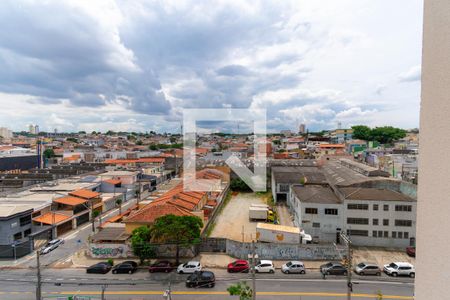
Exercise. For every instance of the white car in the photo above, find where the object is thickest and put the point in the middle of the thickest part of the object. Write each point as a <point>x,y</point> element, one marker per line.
<point>292,267</point>
<point>265,266</point>
<point>400,269</point>
<point>189,267</point>
<point>52,245</point>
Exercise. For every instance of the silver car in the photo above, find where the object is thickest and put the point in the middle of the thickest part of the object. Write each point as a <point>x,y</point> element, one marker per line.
<point>367,269</point>
<point>293,267</point>
<point>52,245</point>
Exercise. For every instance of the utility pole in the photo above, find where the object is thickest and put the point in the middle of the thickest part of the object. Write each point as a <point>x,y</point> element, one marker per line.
<point>168,293</point>
<point>39,283</point>
<point>348,243</point>
<point>92,216</point>
<point>103,291</point>
<point>253,271</point>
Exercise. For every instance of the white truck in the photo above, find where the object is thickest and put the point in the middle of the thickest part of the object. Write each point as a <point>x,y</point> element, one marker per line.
<point>271,233</point>
<point>260,213</point>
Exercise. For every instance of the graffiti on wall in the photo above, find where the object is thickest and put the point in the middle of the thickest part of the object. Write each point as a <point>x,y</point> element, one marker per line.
<point>110,251</point>
<point>283,251</point>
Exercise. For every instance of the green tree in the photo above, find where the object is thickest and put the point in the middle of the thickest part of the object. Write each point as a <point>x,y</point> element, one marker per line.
<point>153,147</point>
<point>237,184</point>
<point>362,132</point>
<point>242,290</point>
<point>178,230</point>
<point>387,134</point>
<point>140,243</point>
<point>48,153</point>
<point>139,143</point>
<point>276,142</point>
<point>119,204</point>
<point>71,139</point>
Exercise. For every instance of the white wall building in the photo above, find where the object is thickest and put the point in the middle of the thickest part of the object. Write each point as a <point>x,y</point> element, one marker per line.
<point>6,133</point>
<point>370,216</point>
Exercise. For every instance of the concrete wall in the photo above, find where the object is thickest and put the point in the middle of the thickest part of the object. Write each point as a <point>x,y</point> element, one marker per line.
<point>433,223</point>
<point>283,251</point>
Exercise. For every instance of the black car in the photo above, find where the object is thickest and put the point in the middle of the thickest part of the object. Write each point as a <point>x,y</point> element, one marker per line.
<point>201,279</point>
<point>99,268</point>
<point>333,269</point>
<point>125,267</point>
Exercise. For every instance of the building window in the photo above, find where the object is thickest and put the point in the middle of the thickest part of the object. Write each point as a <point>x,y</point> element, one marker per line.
<point>394,234</point>
<point>284,188</point>
<point>403,208</point>
<point>331,211</point>
<point>27,232</point>
<point>375,207</point>
<point>386,234</point>
<point>18,236</point>
<point>374,233</point>
<point>403,223</point>
<point>316,225</point>
<point>386,207</point>
<point>25,220</point>
<point>400,235</point>
<point>311,210</point>
<point>358,206</point>
<point>406,235</point>
<point>385,222</point>
<point>359,221</point>
<point>375,222</point>
<point>356,232</point>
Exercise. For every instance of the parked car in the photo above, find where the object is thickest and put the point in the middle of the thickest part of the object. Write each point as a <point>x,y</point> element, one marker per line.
<point>293,267</point>
<point>367,269</point>
<point>333,268</point>
<point>126,267</point>
<point>238,266</point>
<point>52,245</point>
<point>189,267</point>
<point>201,279</point>
<point>400,269</point>
<point>99,268</point>
<point>161,266</point>
<point>265,266</point>
<point>411,251</point>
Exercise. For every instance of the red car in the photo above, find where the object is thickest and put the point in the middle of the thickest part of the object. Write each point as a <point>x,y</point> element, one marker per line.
<point>238,266</point>
<point>411,251</point>
<point>161,266</point>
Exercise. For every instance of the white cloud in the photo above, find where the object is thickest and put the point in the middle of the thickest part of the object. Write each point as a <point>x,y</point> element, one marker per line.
<point>413,74</point>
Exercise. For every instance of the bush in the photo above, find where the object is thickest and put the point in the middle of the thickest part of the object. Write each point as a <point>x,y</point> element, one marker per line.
<point>110,261</point>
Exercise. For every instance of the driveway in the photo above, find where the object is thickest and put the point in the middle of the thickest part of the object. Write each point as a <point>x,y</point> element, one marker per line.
<point>233,222</point>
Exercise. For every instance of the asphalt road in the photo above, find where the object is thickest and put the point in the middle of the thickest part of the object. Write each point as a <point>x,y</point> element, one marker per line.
<point>21,284</point>
<point>267,288</point>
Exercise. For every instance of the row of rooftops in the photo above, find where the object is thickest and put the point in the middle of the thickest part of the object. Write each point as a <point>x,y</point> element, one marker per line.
<point>326,195</point>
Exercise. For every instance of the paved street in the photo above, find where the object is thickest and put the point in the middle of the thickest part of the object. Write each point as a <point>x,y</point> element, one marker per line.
<point>268,288</point>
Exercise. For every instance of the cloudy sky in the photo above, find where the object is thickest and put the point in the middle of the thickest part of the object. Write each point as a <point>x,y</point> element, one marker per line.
<point>134,65</point>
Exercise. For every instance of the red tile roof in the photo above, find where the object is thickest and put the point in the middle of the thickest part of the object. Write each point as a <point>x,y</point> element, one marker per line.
<point>134,161</point>
<point>86,194</point>
<point>113,181</point>
<point>68,200</point>
<point>50,217</point>
<point>332,146</point>
<point>152,211</point>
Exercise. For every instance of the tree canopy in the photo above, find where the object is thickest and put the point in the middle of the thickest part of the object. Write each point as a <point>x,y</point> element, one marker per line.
<point>179,230</point>
<point>48,153</point>
<point>237,184</point>
<point>383,135</point>
<point>140,243</point>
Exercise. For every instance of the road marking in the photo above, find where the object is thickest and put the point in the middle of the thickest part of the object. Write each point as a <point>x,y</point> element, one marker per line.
<point>336,280</point>
<point>293,294</point>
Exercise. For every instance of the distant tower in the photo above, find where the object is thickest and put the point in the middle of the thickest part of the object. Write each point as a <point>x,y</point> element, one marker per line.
<point>302,129</point>
<point>339,125</point>
<point>36,129</point>
<point>31,128</point>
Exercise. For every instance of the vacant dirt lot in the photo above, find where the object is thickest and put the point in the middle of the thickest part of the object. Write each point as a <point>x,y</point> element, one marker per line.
<point>233,221</point>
